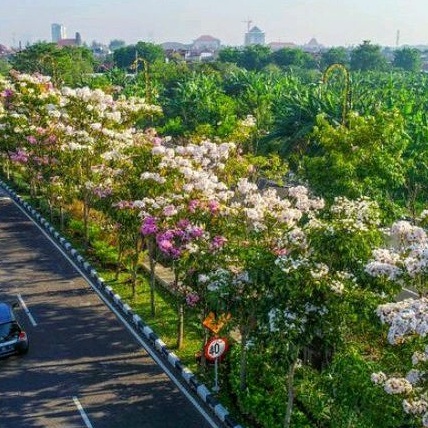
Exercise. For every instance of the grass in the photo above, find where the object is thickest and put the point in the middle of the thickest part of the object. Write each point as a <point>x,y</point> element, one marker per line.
<point>165,322</point>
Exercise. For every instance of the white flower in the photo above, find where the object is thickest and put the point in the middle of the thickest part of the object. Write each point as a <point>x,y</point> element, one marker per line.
<point>414,376</point>
<point>415,407</point>
<point>337,286</point>
<point>396,385</point>
<point>379,378</point>
<point>203,278</point>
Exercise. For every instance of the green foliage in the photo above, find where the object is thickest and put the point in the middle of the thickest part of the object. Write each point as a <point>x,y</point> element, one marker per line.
<point>116,44</point>
<point>129,57</point>
<point>354,400</point>
<point>229,54</point>
<point>200,100</point>
<point>67,65</point>
<point>290,57</point>
<point>4,66</point>
<point>366,57</point>
<point>254,57</point>
<point>264,400</point>
<point>408,59</point>
<point>335,55</point>
<point>364,157</point>
<point>295,113</point>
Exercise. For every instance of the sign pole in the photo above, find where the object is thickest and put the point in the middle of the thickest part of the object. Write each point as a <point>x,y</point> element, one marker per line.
<point>214,349</point>
<point>216,387</point>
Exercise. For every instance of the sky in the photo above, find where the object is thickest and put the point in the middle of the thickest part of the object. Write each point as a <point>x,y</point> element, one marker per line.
<point>331,22</point>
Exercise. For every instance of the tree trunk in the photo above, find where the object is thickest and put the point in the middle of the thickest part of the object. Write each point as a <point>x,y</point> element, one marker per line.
<point>86,218</point>
<point>61,215</point>
<point>290,392</point>
<point>152,263</point>
<point>134,266</point>
<point>8,168</point>
<point>180,335</point>
<point>243,359</point>
<point>51,212</point>
<point>119,260</point>
<point>205,336</point>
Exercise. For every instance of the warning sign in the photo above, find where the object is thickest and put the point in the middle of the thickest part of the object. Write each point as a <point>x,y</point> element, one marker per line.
<point>215,324</point>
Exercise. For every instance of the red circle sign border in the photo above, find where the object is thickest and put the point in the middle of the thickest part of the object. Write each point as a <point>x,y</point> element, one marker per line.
<point>208,356</point>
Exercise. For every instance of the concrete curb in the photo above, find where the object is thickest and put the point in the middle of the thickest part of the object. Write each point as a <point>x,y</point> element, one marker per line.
<point>142,329</point>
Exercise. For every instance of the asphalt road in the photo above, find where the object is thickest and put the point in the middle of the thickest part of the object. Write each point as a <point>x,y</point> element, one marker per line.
<point>84,368</point>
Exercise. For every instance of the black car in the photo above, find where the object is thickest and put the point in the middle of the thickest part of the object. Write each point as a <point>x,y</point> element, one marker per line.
<point>13,339</point>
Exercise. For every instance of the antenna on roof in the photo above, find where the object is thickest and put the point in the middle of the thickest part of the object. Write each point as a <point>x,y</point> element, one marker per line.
<point>248,22</point>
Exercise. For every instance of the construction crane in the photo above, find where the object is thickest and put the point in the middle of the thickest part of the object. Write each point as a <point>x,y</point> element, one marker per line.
<point>248,22</point>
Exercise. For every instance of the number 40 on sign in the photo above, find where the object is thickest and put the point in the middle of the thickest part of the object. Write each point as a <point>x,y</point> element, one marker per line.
<point>215,348</point>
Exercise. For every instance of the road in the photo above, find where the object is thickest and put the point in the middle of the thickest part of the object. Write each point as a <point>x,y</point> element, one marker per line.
<point>84,368</point>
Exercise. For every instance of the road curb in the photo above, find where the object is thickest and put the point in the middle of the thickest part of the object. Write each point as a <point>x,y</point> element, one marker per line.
<point>142,329</point>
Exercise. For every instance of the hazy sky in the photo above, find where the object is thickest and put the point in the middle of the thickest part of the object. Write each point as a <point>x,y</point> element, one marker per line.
<point>331,22</point>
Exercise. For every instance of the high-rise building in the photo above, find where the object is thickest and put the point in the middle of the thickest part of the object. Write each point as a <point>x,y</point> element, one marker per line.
<point>58,32</point>
<point>254,36</point>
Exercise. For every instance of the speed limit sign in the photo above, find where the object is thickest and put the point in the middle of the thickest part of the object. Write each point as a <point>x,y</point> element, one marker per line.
<point>215,348</point>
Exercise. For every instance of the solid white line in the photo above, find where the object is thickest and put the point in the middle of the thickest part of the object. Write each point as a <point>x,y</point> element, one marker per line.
<point>26,310</point>
<point>82,413</point>
<point>411,292</point>
<point>150,351</point>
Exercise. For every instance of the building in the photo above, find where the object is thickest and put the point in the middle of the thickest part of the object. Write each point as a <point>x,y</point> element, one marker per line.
<point>276,46</point>
<point>77,41</point>
<point>313,46</point>
<point>58,32</point>
<point>254,36</point>
<point>206,43</point>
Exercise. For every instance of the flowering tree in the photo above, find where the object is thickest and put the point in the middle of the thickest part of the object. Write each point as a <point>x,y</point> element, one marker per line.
<point>28,126</point>
<point>98,128</point>
<point>180,220</point>
<point>405,262</point>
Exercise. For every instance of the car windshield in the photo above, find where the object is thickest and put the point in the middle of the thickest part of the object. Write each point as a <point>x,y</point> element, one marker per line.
<point>7,330</point>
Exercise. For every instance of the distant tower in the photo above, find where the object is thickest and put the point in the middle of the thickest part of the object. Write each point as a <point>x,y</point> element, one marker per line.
<point>58,32</point>
<point>78,39</point>
<point>254,36</point>
<point>397,40</point>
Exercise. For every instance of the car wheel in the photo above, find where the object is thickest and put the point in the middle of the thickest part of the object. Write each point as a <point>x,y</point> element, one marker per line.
<point>25,350</point>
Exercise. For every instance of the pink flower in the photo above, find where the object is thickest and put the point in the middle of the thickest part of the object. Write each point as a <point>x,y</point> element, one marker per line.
<point>218,242</point>
<point>7,93</point>
<point>169,210</point>
<point>20,156</point>
<point>183,223</point>
<point>31,139</point>
<point>213,206</point>
<point>196,232</point>
<point>193,204</point>
<point>165,245</point>
<point>192,299</point>
<point>121,205</point>
<point>149,226</point>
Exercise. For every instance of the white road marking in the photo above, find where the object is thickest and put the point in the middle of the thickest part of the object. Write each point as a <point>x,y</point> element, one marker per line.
<point>26,310</point>
<point>82,412</point>
<point>411,292</point>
